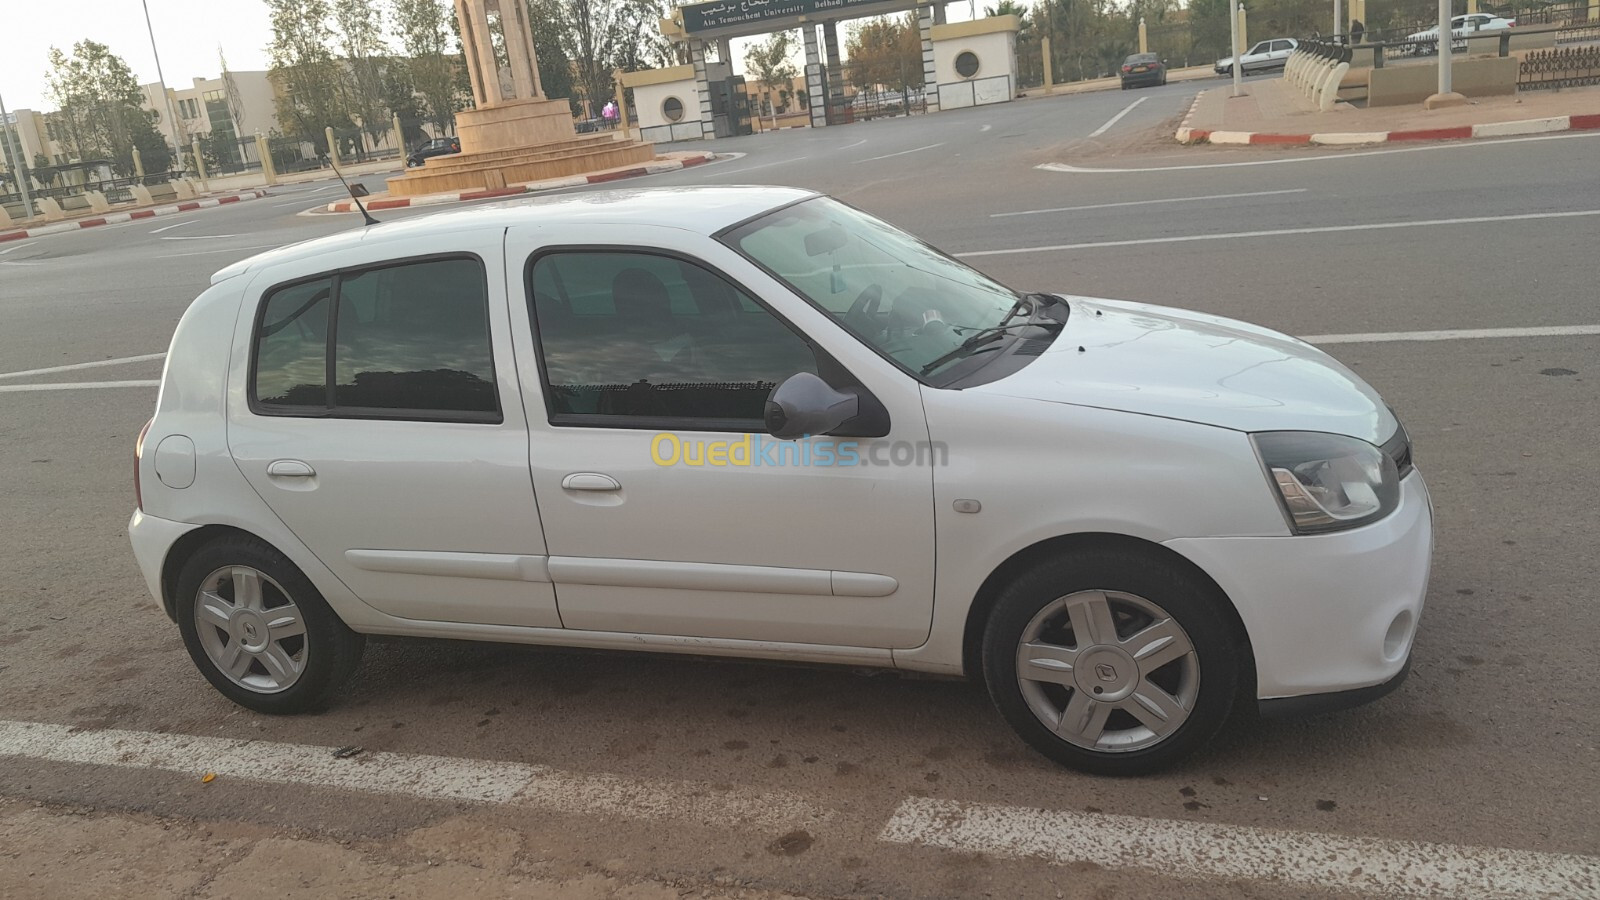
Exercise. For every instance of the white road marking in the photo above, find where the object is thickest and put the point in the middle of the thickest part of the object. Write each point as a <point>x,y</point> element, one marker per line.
<point>328,188</point>
<point>986,128</point>
<point>1455,334</point>
<point>198,237</point>
<point>761,166</point>
<point>1116,118</point>
<point>173,225</point>
<point>1059,209</point>
<point>217,250</point>
<point>300,203</point>
<point>15,247</point>
<point>856,144</point>
<point>1468,145</point>
<point>902,152</point>
<point>1279,232</point>
<point>85,365</point>
<point>413,775</point>
<point>1360,866</point>
<point>75,386</point>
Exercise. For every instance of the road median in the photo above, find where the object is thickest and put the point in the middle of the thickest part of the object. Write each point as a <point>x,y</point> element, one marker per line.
<point>1269,115</point>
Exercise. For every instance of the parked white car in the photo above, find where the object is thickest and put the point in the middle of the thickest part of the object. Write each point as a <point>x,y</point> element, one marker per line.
<point>1461,26</point>
<point>757,422</point>
<point>1263,57</point>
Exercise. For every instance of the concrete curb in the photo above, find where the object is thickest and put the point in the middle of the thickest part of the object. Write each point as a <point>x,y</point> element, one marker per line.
<point>1188,135</point>
<point>533,187</point>
<point>130,216</point>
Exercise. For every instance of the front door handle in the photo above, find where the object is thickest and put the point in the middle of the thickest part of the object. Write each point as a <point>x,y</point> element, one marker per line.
<point>290,468</point>
<point>590,481</point>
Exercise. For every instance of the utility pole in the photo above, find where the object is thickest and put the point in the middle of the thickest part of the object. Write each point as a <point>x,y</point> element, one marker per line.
<point>172,116</point>
<point>19,165</point>
<point>1238,64</point>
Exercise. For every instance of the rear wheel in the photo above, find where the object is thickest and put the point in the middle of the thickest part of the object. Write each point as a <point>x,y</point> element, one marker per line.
<point>259,631</point>
<point>1114,662</point>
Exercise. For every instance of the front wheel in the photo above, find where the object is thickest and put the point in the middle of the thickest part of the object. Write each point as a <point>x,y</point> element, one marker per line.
<point>1113,662</point>
<point>259,631</point>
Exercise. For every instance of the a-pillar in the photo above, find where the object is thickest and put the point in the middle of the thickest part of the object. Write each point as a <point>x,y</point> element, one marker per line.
<point>702,86</point>
<point>930,74</point>
<point>814,90</point>
<point>830,44</point>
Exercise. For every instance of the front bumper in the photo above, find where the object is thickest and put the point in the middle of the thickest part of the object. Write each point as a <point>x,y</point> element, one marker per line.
<point>1328,613</point>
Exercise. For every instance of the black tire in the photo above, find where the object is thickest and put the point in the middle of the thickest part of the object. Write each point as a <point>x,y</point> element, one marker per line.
<point>331,651</point>
<point>1221,654</point>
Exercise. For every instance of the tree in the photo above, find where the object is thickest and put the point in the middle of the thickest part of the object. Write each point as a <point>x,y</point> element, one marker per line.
<point>886,54</point>
<point>99,99</point>
<point>360,31</point>
<point>555,69</point>
<point>588,37</point>
<point>310,81</point>
<point>424,28</point>
<point>769,62</point>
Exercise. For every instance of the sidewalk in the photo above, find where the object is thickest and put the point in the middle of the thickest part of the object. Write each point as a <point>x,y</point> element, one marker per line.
<point>54,853</point>
<point>87,219</point>
<point>670,162</point>
<point>1271,112</point>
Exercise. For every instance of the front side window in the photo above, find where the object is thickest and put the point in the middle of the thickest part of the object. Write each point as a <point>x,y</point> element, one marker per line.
<point>409,340</point>
<point>909,301</point>
<point>653,337</point>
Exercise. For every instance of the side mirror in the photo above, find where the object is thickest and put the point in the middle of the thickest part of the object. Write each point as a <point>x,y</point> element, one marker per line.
<point>359,190</point>
<point>805,404</point>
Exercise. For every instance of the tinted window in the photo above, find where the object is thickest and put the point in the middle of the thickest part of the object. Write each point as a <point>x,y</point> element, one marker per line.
<point>411,338</point>
<point>634,334</point>
<point>292,346</point>
<point>415,337</point>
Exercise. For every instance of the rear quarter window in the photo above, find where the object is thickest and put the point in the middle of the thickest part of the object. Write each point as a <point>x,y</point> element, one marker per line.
<point>406,340</point>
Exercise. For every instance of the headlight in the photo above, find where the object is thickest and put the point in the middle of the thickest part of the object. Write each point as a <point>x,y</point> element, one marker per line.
<point>1328,482</point>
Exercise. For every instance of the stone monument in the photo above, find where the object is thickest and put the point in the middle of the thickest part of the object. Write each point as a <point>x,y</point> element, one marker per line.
<point>516,133</point>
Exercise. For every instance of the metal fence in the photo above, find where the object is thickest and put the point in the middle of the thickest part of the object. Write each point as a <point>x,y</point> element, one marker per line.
<point>1561,67</point>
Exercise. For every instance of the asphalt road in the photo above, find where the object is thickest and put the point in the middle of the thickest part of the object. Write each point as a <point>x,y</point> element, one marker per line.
<point>1491,744</point>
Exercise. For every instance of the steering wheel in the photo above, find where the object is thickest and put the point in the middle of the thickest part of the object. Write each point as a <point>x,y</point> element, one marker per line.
<point>860,316</point>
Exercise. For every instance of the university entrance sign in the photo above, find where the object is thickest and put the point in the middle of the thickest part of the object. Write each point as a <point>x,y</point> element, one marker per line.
<point>714,16</point>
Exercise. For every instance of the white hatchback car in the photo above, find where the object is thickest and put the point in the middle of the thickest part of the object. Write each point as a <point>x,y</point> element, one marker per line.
<point>757,422</point>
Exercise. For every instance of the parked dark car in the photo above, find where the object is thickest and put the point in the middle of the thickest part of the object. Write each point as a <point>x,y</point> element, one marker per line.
<point>435,147</point>
<point>1143,69</point>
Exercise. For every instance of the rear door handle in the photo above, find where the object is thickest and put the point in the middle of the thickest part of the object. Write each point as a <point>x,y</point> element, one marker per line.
<point>590,481</point>
<point>290,468</point>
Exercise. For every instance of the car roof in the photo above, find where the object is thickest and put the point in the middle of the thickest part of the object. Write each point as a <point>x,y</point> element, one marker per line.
<point>703,210</point>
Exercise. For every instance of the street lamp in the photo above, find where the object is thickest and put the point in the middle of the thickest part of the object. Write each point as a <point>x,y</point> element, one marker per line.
<point>19,165</point>
<point>172,116</point>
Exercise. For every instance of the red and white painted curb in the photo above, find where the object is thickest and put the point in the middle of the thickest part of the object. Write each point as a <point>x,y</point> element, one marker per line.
<point>532,187</point>
<point>1589,122</point>
<point>130,216</point>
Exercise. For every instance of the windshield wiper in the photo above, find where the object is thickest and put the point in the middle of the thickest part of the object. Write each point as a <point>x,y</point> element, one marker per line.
<point>983,336</point>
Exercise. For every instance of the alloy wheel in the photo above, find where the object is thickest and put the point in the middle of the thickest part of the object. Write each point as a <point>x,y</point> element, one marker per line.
<point>251,629</point>
<point>1108,671</point>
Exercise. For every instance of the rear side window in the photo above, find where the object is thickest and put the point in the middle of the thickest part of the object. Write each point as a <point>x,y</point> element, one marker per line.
<point>407,341</point>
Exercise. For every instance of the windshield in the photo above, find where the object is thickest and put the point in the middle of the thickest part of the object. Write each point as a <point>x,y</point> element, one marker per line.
<point>908,300</point>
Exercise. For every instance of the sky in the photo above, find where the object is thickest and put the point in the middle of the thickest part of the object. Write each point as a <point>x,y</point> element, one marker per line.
<point>187,34</point>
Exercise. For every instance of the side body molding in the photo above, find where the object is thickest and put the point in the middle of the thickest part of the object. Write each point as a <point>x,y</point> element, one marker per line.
<point>637,573</point>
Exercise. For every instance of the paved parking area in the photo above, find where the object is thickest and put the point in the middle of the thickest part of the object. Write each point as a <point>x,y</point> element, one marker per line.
<point>675,774</point>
